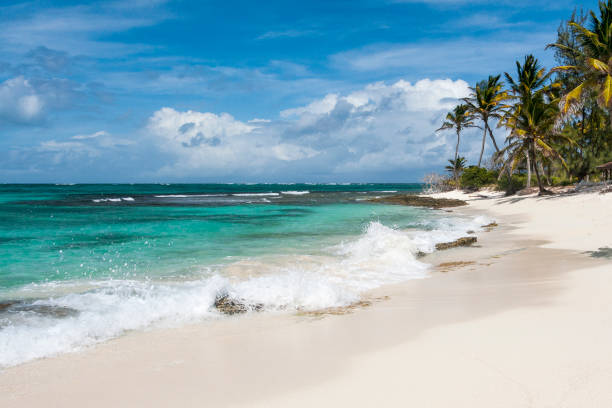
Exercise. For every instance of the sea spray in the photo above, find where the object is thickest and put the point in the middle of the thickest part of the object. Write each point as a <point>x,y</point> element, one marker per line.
<point>381,255</point>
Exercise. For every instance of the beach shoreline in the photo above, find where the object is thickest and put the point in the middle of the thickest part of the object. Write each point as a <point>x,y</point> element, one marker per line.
<point>521,321</point>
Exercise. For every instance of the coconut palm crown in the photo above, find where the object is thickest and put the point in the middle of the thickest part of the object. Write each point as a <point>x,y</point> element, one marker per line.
<point>593,53</point>
<point>532,118</point>
<point>459,119</point>
<point>487,101</point>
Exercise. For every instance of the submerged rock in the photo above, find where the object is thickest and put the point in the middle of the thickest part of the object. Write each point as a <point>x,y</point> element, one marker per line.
<point>491,225</point>
<point>419,201</point>
<point>463,241</point>
<point>44,310</point>
<point>229,306</point>
<point>5,305</point>
<point>604,252</point>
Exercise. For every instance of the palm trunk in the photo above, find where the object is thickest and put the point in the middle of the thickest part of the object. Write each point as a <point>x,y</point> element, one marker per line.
<point>544,173</point>
<point>497,151</point>
<point>457,147</point>
<point>543,191</point>
<point>484,137</point>
<point>528,170</point>
<point>492,138</point>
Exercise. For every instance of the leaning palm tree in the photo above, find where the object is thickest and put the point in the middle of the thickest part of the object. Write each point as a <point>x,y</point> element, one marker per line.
<point>455,168</point>
<point>531,119</point>
<point>487,102</point>
<point>591,57</point>
<point>459,119</point>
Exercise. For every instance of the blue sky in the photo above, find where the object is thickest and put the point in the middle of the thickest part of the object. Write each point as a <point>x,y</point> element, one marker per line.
<point>244,91</point>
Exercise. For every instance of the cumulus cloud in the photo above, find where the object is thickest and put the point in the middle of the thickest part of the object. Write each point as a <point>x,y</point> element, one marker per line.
<point>19,101</point>
<point>218,144</point>
<point>81,146</point>
<point>380,129</point>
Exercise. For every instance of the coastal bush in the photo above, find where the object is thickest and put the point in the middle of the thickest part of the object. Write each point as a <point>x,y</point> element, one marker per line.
<point>518,182</point>
<point>561,181</point>
<point>477,177</point>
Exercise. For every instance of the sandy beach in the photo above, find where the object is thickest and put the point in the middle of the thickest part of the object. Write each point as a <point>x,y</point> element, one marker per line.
<point>523,321</point>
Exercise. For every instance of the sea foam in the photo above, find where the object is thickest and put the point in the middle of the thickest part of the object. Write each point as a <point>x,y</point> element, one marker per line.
<point>107,309</point>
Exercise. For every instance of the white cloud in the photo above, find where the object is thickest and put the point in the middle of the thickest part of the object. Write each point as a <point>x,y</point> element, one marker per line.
<point>218,144</point>
<point>286,34</point>
<point>77,29</point>
<point>91,135</point>
<point>102,139</point>
<point>290,152</point>
<point>19,101</point>
<point>93,145</point>
<point>316,107</point>
<point>381,129</point>
<point>63,152</point>
<point>461,56</point>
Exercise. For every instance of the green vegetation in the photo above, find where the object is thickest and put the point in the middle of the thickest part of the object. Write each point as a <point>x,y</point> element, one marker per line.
<point>456,168</point>
<point>477,177</point>
<point>557,122</point>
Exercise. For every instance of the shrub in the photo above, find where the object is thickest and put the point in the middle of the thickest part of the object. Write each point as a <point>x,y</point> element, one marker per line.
<point>518,182</point>
<point>476,177</point>
<point>561,181</point>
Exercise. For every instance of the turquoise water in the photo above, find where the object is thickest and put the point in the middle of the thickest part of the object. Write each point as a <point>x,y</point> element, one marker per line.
<point>81,264</point>
<point>54,233</point>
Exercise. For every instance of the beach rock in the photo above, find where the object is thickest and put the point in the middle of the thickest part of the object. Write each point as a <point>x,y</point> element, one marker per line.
<point>491,225</point>
<point>419,201</point>
<point>229,306</point>
<point>464,241</point>
<point>5,306</point>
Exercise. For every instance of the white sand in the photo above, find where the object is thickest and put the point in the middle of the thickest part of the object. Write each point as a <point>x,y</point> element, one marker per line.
<point>528,324</point>
<point>577,222</point>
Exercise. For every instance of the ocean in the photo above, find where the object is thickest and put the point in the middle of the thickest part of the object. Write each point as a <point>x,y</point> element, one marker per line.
<point>82,264</point>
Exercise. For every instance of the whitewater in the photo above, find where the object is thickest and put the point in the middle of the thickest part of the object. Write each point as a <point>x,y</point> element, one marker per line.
<point>166,267</point>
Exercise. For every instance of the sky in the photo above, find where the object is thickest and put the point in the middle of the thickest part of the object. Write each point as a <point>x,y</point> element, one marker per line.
<point>251,91</point>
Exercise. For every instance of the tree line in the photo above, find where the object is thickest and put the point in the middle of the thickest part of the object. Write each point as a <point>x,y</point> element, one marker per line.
<point>557,121</point>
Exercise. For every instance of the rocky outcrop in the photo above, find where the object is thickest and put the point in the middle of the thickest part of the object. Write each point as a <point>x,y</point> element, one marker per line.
<point>5,306</point>
<point>419,201</point>
<point>464,241</point>
<point>229,306</point>
<point>489,227</point>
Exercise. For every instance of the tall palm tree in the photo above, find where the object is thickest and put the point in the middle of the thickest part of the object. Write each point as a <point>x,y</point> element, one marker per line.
<point>531,81</point>
<point>455,168</point>
<point>487,102</point>
<point>591,59</point>
<point>459,119</point>
<point>531,119</point>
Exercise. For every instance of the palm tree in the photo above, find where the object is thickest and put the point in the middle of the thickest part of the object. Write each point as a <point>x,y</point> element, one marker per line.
<point>531,81</point>
<point>590,59</point>
<point>458,119</point>
<point>487,102</point>
<point>531,119</point>
<point>456,167</point>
